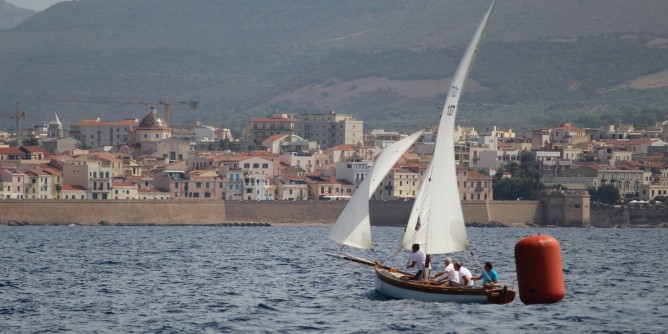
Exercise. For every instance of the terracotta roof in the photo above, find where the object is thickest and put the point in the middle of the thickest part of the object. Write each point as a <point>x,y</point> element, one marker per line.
<point>274,138</point>
<point>123,184</point>
<point>35,149</point>
<point>610,168</point>
<point>476,175</point>
<point>38,172</point>
<point>10,150</point>
<point>640,142</point>
<point>93,122</point>
<point>234,158</point>
<point>105,156</point>
<point>292,177</point>
<point>402,170</point>
<point>280,120</point>
<point>264,154</point>
<point>13,171</point>
<point>152,191</point>
<point>569,128</point>
<point>53,171</point>
<point>69,187</point>
<point>342,181</point>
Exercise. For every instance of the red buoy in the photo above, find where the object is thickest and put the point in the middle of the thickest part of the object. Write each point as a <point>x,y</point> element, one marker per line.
<point>539,272</point>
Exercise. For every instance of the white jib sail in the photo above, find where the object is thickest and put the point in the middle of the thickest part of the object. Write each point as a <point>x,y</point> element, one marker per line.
<point>353,227</point>
<point>436,221</point>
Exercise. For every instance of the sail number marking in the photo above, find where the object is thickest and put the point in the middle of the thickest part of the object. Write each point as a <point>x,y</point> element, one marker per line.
<point>453,93</point>
<point>451,109</point>
<point>455,90</point>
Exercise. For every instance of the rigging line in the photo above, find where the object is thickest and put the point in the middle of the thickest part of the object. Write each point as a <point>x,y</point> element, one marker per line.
<point>378,259</point>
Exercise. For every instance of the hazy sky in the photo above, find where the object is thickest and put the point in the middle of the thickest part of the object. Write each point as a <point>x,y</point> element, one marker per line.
<point>34,4</point>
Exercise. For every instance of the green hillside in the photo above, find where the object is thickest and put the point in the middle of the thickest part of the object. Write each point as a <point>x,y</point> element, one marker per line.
<point>541,62</point>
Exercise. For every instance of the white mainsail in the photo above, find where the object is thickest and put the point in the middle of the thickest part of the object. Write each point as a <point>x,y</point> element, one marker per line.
<point>436,221</point>
<point>353,227</point>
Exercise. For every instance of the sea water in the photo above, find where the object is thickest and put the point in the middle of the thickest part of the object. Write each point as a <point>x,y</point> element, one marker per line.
<point>113,279</point>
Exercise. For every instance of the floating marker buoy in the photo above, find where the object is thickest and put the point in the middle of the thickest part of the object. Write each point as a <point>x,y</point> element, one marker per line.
<point>539,271</point>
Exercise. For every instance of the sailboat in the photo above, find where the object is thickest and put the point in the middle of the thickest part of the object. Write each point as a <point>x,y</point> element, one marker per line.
<point>436,221</point>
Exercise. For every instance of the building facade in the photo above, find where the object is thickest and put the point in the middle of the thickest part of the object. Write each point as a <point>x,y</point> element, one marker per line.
<point>331,129</point>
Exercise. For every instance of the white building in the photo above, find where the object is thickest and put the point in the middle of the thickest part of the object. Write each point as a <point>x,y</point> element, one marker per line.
<point>257,188</point>
<point>90,175</point>
<point>96,133</point>
<point>331,129</point>
<point>352,171</point>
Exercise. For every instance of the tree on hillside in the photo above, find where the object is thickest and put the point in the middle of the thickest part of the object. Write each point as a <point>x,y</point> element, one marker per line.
<point>516,188</point>
<point>606,193</point>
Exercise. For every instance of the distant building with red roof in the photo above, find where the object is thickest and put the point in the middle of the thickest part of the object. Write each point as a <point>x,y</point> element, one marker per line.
<point>261,128</point>
<point>474,186</point>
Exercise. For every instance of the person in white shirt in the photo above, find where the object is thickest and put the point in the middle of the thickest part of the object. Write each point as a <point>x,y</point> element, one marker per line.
<point>465,277</point>
<point>450,274</point>
<point>419,258</point>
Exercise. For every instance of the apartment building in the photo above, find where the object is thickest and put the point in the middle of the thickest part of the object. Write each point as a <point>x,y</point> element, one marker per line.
<point>321,187</point>
<point>196,184</point>
<point>474,186</point>
<point>68,192</point>
<point>39,185</point>
<point>331,129</point>
<point>290,188</point>
<point>258,188</point>
<point>399,183</point>
<point>91,175</point>
<point>261,128</point>
<point>96,133</point>
<point>125,190</point>
<point>12,183</point>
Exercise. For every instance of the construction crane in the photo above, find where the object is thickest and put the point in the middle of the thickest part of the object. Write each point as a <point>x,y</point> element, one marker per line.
<point>17,116</point>
<point>166,105</point>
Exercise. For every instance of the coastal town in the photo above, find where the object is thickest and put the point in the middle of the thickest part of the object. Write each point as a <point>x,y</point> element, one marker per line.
<point>284,157</point>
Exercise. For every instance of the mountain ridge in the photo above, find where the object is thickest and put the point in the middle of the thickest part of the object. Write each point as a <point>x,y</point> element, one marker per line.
<point>11,16</point>
<point>376,60</point>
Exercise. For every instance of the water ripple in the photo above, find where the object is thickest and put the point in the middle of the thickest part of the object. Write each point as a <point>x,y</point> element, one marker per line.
<point>278,280</point>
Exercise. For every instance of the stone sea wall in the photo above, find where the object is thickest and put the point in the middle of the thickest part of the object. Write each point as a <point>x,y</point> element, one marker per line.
<point>390,213</point>
<point>629,216</point>
<point>112,212</point>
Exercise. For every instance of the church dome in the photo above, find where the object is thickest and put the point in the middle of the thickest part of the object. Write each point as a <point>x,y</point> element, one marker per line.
<point>152,121</point>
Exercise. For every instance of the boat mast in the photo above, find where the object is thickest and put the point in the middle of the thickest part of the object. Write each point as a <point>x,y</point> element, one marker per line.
<point>440,216</point>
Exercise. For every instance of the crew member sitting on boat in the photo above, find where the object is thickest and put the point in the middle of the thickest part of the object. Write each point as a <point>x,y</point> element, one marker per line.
<point>465,277</point>
<point>419,258</point>
<point>489,278</point>
<point>451,276</point>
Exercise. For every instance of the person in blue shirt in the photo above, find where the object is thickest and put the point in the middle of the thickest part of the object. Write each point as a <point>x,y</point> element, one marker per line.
<point>489,278</point>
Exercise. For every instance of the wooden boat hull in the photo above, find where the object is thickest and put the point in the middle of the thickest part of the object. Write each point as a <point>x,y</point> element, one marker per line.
<point>390,284</point>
